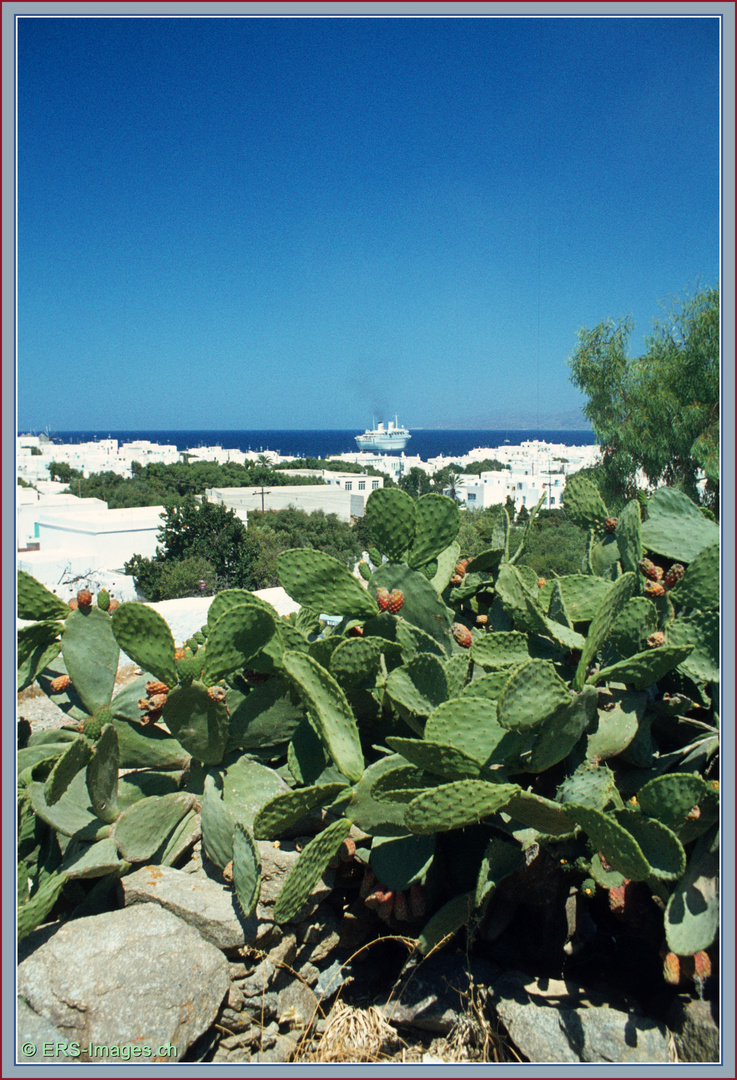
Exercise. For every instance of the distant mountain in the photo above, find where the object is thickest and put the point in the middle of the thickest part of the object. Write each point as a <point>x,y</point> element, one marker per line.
<point>512,420</point>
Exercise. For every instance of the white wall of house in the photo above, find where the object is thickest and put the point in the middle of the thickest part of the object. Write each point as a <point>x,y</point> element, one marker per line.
<point>331,499</point>
<point>113,535</point>
<point>32,504</point>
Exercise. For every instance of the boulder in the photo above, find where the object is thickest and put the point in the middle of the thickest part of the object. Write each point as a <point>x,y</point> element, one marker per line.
<point>136,978</point>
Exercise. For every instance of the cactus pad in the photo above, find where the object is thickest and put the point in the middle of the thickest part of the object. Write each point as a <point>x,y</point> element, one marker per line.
<point>455,805</point>
<point>145,637</point>
<point>246,870</point>
<point>308,869</point>
<point>315,579</point>
<point>391,520</point>
<point>336,722</point>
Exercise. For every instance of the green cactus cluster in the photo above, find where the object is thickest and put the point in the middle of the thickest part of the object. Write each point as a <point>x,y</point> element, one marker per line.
<point>578,715</point>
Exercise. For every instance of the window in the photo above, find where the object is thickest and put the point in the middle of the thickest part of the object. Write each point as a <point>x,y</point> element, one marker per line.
<point>552,500</point>
<point>470,497</point>
<point>374,485</point>
<point>348,485</point>
<point>361,485</point>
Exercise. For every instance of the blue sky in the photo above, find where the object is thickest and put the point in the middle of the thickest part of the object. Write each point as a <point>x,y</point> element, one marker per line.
<point>308,222</point>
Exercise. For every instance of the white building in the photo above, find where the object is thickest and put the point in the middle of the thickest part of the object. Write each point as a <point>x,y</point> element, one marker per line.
<point>90,546</point>
<point>347,501</point>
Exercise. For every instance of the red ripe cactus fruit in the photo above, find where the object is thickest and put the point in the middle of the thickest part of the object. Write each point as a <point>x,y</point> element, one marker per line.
<point>482,620</point>
<point>382,598</point>
<point>541,582</point>
<point>610,525</point>
<point>61,682</point>
<point>672,969</point>
<point>113,606</point>
<point>396,601</point>
<point>674,575</point>
<point>73,604</point>
<point>84,598</point>
<point>650,570</point>
<point>356,631</point>
<point>654,589</point>
<point>656,640</point>
<point>462,635</point>
<point>702,966</point>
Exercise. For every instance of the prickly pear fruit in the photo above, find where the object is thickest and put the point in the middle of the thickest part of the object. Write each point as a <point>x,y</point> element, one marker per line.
<point>462,635</point>
<point>188,669</point>
<point>672,969</point>
<point>482,620</point>
<point>396,600</point>
<point>61,682</point>
<point>654,589</point>
<point>674,575</point>
<point>103,599</point>
<point>610,524</point>
<point>650,570</point>
<point>93,725</point>
<point>154,686</point>
<point>114,605</point>
<point>92,728</point>
<point>356,631</point>
<point>656,639</point>
<point>73,604</point>
<point>382,598</point>
<point>541,582</point>
<point>84,598</point>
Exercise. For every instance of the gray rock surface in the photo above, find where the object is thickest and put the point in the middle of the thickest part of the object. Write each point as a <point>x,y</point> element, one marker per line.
<point>204,904</point>
<point>35,1030</point>
<point>435,996</point>
<point>695,1030</point>
<point>551,1021</point>
<point>134,977</point>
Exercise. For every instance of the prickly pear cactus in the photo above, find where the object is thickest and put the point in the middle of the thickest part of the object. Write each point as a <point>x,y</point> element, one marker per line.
<point>470,718</point>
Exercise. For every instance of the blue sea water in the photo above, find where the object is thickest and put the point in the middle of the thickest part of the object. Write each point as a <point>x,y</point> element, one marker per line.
<point>425,442</point>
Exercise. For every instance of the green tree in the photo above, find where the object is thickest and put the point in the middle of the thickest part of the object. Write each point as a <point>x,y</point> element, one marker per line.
<point>416,482</point>
<point>658,412</point>
<point>60,470</point>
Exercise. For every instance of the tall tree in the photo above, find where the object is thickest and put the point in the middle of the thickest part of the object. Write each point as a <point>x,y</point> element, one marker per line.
<point>658,412</point>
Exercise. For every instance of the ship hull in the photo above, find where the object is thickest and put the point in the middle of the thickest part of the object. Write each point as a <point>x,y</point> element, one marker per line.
<point>369,442</point>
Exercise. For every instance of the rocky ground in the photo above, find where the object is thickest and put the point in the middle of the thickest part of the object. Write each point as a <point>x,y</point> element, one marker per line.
<point>175,964</point>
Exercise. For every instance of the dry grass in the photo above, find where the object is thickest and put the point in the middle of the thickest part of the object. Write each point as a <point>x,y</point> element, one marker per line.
<point>365,1035</point>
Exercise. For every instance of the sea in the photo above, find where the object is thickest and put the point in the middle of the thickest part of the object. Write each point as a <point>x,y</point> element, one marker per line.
<point>299,443</point>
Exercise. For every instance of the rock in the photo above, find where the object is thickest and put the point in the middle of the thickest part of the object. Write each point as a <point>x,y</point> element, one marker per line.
<point>35,1030</point>
<point>553,1021</point>
<point>136,977</point>
<point>695,1029</point>
<point>332,978</point>
<point>296,1005</point>
<point>282,1050</point>
<point>435,994</point>
<point>321,934</point>
<point>204,904</point>
<point>257,981</point>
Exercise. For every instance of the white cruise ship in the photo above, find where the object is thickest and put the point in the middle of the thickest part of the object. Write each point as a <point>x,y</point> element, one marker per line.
<point>391,436</point>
